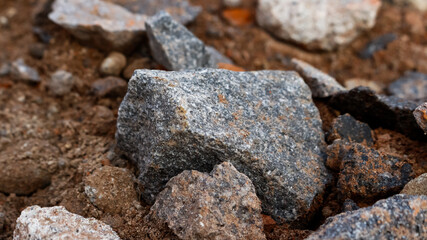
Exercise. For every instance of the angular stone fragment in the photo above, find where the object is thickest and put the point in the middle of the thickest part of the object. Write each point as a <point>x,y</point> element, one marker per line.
<point>420,115</point>
<point>57,223</point>
<point>219,205</point>
<point>181,10</point>
<point>412,86</point>
<point>109,87</point>
<point>347,128</point>
<point>111,190</point>
<point>264,123</point>
<point>61,83</point>
<point>321,84</point>
<point>397,217</point>
<point>368,174</point>
<point>417,186</point>
<point>100,24</point>
<point>321,24</point>
<point>376,45</point>
<point>27,166</point>
<point>22,72</point>
<point>379,110</point>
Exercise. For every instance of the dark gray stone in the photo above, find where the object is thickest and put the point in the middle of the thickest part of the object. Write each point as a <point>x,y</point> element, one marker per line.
<point>376,45</point>
<point>265,123</point>
<point>379,110</point>
<point>398,217</point>
<point>22,72</point>
<point>347,128</point>
<point>173,46</point>
<point>181,10</point>
<point>219,205</point>
<point>321,84</point>
<point>412,86</point>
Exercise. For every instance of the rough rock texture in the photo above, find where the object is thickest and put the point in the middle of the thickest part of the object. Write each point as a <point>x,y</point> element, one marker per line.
<point>368,174</point>
<point>61,83</point>
<point>412,86</point>
<point>376,45</point>
<point>385,111</point>
<point>108,185</point>
<point>57,223</point>
<point>398,217</point>
<point>21,72</point>
<point>181,10</point>
<point>336,152</point>
<point>321,84</point>
<point>173,45</point>
<point>113,64</point>
<point>417,186</point>
<point>347,128</point>
<point>109,87</point>
<point>101,24</point>
<point>219,205</point>
<point>27,166</point>
<point>420,115</point>
<point>264,123</point>
<point>320,24</point>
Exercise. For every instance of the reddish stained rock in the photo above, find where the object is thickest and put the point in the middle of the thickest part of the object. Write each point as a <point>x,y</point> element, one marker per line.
<point>109,87</point>
<point>368,174</point>
<point>398,217</point>
<point>219,205</point>
<point>347,128</point>
<point>420,115</point>
<point>417,186</point>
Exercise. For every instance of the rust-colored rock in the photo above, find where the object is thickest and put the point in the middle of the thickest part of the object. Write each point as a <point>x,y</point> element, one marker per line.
<point>420,115</point>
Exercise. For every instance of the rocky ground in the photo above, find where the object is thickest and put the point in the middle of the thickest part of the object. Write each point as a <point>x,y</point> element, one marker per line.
<point>213,154</point>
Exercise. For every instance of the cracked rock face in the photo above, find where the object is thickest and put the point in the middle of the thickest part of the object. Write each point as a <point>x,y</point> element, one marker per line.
<point>104,25</point>
<point>265,123</point>
<point>57,223</point>
<point>320,24</point>
<point>219,205</point>
<point>397,217</point>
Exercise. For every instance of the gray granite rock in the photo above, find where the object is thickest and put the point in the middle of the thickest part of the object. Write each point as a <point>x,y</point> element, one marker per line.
<point>412,86</point>
<point>321,84</point>
<point>181,10</point>
<point>173,45</point>
<point>22,72</point>
<point>265,123</point>
<point>57,223</point>
<point>219,205</point>
<point>397,217</point>
<point>317,24</point>
<point>347,128</point>
<point>100,24</point>
<point>420,115</point>
<point>379,110</point>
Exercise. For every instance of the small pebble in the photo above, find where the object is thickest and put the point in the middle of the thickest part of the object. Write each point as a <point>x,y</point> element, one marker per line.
<point>109,87</point>
<point>61,83</point>
<point>420,115</point>
<point>36,50</point>
<point>113,64</point>
<point>4,22</point>
<point>20,71</point>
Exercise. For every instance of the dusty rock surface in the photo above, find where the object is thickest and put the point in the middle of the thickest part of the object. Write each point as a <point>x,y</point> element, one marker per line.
<point>196,119</point>
<point>219,205</point>
<point>417,186</point>
<point>57,223</point>
<point>323,24</point>
<point>400,216</point>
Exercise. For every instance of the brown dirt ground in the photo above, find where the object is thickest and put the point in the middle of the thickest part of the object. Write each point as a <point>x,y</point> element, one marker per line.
<point>82,126</point>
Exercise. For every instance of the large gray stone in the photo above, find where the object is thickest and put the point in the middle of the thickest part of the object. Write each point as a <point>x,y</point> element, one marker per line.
<point>219,205</point>
<point>265,123</point>
<point>100,24</point>
<point>176,48</point>
<point>397,217</point>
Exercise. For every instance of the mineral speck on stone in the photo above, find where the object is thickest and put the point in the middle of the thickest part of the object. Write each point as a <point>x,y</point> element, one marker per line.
<point>321,84</point>
<point>219,205</point>
<point>57,223</point>
<point>412,86</point>
<point>100,24</point>
<point>420,115</point>
<point>22,72</point>
<point>173,46</point>
<point>321,24</point>
<point>265,123</point>
<point>417,186</point>
<point>397,217</point>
